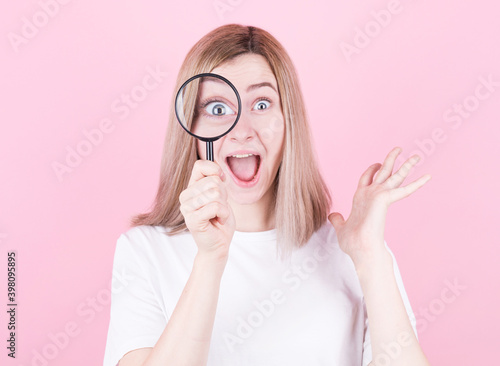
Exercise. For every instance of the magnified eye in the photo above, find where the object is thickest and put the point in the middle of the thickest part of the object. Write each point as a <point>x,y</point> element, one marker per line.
<point>262,104</point>
<point>218,109</point>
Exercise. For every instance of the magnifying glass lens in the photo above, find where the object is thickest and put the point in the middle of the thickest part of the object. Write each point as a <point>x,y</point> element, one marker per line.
<point>207,107</point>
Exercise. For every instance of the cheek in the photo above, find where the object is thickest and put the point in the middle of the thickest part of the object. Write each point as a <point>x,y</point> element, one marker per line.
<point>273,130</point>
<point>275,142</point>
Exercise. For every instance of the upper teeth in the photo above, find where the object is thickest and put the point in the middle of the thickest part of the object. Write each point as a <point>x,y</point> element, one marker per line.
<point>241,155</point>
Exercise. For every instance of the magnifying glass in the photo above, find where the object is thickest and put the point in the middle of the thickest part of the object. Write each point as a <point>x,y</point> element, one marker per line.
<point>208,106</point>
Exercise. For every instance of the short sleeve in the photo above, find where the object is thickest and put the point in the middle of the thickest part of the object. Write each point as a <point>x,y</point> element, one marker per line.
<point>136,319</point>
<point>367,349</point>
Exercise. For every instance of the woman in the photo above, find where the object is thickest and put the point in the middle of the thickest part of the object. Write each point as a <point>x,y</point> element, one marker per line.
<point>237,264</point>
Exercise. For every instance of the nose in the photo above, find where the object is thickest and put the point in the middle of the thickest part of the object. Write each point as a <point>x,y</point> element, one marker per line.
<point>243,131</point>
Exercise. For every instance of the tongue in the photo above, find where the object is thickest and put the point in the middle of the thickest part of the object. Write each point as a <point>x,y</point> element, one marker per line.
<point>243,168</point>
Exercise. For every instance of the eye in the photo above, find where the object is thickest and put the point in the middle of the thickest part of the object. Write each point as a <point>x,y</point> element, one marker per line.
<point>262,104</point>
<point>218,109</point>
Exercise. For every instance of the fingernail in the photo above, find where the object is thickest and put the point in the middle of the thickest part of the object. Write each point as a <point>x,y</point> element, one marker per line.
<point>222,176</point>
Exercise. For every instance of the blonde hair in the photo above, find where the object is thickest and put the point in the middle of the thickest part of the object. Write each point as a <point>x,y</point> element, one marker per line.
<point>302,200</point>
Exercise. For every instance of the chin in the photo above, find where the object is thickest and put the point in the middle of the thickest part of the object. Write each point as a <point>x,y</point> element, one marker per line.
<point>244,198</point>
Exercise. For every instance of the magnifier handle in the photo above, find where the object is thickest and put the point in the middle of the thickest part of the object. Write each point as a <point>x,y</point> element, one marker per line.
<point>210,150</point>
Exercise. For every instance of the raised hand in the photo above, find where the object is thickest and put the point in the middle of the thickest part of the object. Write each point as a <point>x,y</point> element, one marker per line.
<point>361,236</point>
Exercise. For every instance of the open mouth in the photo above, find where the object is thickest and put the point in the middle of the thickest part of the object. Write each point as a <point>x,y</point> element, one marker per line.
<point>244,168</point>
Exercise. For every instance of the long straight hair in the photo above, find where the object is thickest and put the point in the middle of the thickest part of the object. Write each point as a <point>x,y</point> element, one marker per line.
<point>301,198</point>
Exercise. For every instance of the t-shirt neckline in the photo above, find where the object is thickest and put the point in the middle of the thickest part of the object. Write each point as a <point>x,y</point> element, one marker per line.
<point>252,236</point>
<point>248,236</point>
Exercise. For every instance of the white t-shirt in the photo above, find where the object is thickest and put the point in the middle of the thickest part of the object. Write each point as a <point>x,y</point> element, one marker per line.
<point>306,311</point>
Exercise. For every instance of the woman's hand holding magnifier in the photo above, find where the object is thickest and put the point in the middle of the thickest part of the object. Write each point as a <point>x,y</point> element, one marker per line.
<point>207,213</point>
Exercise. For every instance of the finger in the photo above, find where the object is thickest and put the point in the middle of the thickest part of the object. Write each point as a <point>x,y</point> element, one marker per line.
<point>367,176</point>
<point>336,219</point>
<point>210,211</point>
<point>397,178</point>
<point>200,186</point>
<point>388,165</point>
<point>223,214</point>
<point>402,192</point>
<point>204,168</point>
<point>204,198</point>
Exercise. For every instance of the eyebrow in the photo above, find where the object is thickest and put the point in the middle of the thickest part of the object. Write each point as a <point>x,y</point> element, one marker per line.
<point>260,85</point>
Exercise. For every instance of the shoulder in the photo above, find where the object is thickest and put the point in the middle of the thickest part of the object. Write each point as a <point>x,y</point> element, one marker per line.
<point>326,236</point>
<point>323,244</point>
<point>151,244</point>
<point>152,235</point>
<point>143,239</point>
<point>144,234</point>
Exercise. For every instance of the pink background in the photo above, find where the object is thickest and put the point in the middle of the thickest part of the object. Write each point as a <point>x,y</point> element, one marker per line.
<point>396,91</point>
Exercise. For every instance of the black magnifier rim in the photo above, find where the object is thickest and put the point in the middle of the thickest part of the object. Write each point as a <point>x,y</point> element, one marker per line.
<point>207,139</point>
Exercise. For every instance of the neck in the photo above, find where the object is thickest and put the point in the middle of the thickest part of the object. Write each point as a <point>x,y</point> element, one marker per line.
<point>257,216</point>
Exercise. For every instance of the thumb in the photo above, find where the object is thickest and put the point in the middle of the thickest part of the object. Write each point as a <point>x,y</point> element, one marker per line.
<point>336,219</point>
